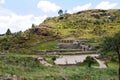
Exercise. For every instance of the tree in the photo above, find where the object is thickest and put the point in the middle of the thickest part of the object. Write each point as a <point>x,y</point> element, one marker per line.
<point>8,32</point>
<point>60,12</point>
<point>112,43</point>
<point>33,25</point>
<point>90,60</point>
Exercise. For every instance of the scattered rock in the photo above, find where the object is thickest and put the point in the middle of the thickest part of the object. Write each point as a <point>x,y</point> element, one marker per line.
<point>14,77</point>
<point>11,77</point>
<point>42,61</point>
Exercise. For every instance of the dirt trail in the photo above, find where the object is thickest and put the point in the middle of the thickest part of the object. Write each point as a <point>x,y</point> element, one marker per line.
<point>101,63</point>
<point>72,59</point>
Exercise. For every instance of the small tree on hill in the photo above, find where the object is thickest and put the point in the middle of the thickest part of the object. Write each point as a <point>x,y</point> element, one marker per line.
<point>113,44</point>
<point>33,25</point>
<point>60,12</point>
<point>8,32</point>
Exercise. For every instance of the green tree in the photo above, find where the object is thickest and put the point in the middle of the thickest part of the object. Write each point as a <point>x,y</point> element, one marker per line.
<point>33,25</point>
<point>8,32</point>
<point>90,60</point>
<point>5,44</point>
<point>60,12</point>
<point>112,43</point>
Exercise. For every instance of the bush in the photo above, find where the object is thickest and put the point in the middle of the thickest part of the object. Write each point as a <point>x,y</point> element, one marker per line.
<point>90,60</point>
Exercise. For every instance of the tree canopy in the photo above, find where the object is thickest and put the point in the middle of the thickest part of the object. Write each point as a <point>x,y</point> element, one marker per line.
<point>90,60</point>
<point>60,12</point>
<point>8,32</point>
<point>112,43</point>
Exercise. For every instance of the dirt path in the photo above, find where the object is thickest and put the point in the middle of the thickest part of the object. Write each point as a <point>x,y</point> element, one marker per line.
<point>101,63</point>
<point>72,60</point>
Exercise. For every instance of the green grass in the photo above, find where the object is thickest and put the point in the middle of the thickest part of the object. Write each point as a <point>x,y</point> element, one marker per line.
<point>31,69</point>
<point>50,45</point>
<point>61,73</point>
<point>84,64</point>
<point>74,73</point>
<point>19,55</point>
<point>84,25</point>
<point>50,59</point>
<point>113,65</point>
<point>66,32</point>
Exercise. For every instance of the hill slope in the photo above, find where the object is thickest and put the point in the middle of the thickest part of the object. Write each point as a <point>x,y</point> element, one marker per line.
<point>90,24</point>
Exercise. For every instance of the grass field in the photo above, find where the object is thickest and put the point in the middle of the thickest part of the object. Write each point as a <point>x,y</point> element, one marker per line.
<point>50,45</point>
<point>31,69</point>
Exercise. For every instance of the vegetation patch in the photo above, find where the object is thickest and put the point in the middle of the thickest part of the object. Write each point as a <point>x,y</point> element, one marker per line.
<point>49,45</point>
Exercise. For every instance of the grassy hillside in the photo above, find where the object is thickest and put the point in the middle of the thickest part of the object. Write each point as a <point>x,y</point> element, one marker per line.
<point>90,24</point>
<point>86,24</point>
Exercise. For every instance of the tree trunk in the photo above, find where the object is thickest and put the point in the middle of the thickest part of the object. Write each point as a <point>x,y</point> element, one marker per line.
<point>119,66</point>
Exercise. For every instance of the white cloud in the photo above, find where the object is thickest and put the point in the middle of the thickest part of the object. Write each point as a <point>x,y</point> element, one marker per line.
<point>47,6</point>
<point>106,5</point>
<point>2,1</point>
<point>80,8</point>
<point>15,22</point>
<point>83,7</point>
<point>69,11</point>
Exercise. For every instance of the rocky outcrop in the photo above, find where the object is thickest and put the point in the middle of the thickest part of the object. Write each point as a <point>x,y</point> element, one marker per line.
<point>11,77</point>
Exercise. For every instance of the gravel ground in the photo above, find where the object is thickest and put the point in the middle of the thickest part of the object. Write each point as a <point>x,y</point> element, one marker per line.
<point>72,59</point>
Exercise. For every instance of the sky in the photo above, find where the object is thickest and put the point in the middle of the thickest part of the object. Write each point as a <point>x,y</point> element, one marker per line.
<point>19,15</point>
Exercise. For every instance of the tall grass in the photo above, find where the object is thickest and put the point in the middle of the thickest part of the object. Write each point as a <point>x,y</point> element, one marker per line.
<point>31,69</point>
